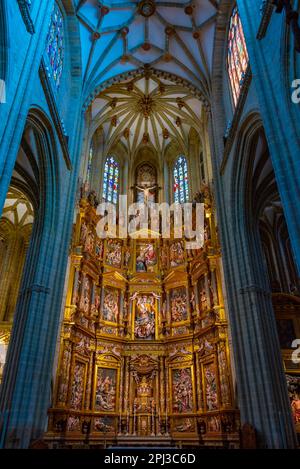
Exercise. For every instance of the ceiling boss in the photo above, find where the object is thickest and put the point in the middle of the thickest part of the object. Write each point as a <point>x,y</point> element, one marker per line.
<point>147,8</point>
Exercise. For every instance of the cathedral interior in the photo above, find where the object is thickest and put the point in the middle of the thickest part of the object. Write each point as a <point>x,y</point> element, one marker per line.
<point>145,339</point>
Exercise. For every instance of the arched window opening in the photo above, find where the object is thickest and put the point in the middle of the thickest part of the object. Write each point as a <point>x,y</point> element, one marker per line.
<point>55,44</point>
<point>237,55</point>
<point>181,183</point>
<point>111,180</point>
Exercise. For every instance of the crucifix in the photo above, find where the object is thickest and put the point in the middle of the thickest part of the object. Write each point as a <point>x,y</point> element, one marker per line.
<point>147,191</point>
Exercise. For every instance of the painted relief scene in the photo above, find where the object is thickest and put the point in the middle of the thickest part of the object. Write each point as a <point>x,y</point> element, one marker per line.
<point>113,253</point>
<point>144,326</point>
<point>179,304</point>
<point>182,388</point>
<point>76,402</point>
<point>104,425</point>
<point>106,389</point>
<point>293,383</point>
<point>85,301</point>
<point>184,425</point>
<point>177,253</point>
<point>111,304</point>
<point>146,257</point>
<point>211,386</point>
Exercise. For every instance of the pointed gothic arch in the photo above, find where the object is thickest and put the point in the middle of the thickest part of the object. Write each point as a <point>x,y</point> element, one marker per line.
<point>251,309</point>
<point>37,310</point>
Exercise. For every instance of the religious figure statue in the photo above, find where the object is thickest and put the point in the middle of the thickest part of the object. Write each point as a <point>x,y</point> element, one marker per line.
<point>144,388</point>
<point>89,242</point>
<point>211,388</point>
<point>193,301</point>
<point>86,293</point>
<point>176,254</point>
<point>84,232</point>
<point>293,384</point>
<point>203,300</point>
<point>295,404</point>
<point>99,250</point>
<point>93,200</point>
<point>127,256</point>
<point>84,190</point>
<point>145,318</point>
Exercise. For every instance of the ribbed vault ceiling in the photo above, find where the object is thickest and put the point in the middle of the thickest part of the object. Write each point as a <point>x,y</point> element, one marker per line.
<point>121,36</point>
<point>146,111</point>
<point>18,210</point>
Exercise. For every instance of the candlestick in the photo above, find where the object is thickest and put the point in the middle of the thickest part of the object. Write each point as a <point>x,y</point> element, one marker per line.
<point>134,418</point>
<point>120,423</point>
<point>153,422</point>
<point>159,421</point>
<point>127,422</point>
<point>167,426</point>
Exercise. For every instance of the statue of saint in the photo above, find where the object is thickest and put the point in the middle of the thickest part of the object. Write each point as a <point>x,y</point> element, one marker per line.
<point>144,388</point>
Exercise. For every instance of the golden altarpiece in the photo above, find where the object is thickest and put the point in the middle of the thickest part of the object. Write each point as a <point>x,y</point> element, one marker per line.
<point>144,355</point>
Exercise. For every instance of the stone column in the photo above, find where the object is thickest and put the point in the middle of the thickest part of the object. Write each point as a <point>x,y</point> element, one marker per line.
<point>269,59</point>
<point>25,393</point>
<point>262,393</point>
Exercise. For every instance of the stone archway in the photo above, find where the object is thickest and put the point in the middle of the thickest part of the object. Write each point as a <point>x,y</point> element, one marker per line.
<point>262,391</point>
<point>25,390</point>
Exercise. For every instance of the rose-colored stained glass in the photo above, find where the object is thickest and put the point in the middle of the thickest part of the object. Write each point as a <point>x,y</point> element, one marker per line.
<point>237,56</point>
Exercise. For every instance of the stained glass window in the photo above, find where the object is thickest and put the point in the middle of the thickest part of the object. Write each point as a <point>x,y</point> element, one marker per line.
<point>237,57</point>
<point>181,182</point>
<point>111,180</point>
<point>55,44</point>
